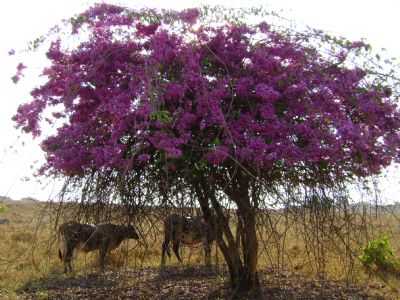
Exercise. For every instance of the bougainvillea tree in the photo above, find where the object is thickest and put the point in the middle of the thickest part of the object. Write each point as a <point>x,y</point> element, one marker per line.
<point>223,109</point>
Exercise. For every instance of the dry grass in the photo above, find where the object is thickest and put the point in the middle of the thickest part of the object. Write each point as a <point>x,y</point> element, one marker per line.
<point>28,252</point>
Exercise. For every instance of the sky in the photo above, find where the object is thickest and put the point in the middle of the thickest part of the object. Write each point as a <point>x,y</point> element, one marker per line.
<point>24,20</point>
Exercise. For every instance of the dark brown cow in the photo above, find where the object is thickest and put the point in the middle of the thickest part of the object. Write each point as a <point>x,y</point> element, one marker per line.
<point>85,237</point>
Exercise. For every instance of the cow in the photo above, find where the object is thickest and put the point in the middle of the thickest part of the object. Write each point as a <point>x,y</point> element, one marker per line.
<point>187,231</point>
<point>87,237</point>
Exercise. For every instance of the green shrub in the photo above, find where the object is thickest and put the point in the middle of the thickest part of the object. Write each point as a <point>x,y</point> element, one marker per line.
<point>379,253</point>
<point>3,208</point>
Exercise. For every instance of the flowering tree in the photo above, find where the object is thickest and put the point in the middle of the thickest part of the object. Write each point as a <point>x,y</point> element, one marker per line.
<point>222,110</point>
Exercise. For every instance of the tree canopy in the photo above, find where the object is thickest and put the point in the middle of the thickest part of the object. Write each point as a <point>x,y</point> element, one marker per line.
<point>146,86</point>
<point>240,106</point>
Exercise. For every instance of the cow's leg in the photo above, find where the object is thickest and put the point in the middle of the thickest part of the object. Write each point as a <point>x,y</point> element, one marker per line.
<point>175,247</point>
<point>165,249</point>
<point>102,255</point>
<point>207,252</point>
<point>67,257</point>
<point>190,255</point>
<point>69,264</point>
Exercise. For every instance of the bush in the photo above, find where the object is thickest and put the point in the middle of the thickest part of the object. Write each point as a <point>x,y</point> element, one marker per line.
<point>3,208</point>
<point>379,253</point>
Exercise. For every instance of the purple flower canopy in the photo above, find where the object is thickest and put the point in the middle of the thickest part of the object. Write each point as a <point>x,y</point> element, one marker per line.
<point>225,93</point>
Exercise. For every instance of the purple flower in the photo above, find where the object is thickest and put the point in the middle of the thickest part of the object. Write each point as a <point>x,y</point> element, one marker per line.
<point>19,74</point>
<point>143,158</point>
<point>296,90</point>
<point>173,152</point>
<point>244,86</point>
<point>15,78</point>
<point>20,67</point>
<point>266,92</point>
<point>217,155</point>
<point>358,44</point>
<point>264,27</point>
<point>174,91</point>
<point>272,104</point>
<point>146,30</point>
<point>189,15</point>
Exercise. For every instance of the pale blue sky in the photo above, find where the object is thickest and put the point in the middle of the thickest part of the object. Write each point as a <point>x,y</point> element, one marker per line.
<point>23,20</point>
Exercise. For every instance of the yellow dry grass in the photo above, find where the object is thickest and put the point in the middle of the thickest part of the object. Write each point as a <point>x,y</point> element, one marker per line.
<point>28,252</point>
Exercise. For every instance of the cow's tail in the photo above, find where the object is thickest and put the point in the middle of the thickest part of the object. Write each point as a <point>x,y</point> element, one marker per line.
<point>62,246</point>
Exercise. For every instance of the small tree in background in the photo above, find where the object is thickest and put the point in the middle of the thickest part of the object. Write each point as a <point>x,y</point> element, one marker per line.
<point>188,104</point>
<point>378,254</point>
<point>3,208</point>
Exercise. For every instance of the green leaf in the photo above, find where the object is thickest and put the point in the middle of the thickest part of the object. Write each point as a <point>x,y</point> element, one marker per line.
<point>163,116</point>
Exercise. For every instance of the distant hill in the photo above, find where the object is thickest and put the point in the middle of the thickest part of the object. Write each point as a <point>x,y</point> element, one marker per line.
<point>4,199</point>
<point>25,200</point>
<point>360,206</point>
<point>28,200</point>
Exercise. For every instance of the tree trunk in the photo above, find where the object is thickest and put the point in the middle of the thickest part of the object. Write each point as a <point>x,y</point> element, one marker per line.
<point>249,277</point>
<point>239,192</point>
<point>242,270</point>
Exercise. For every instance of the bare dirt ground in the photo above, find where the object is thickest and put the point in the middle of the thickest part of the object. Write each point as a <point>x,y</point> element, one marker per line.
<point>189,283</point>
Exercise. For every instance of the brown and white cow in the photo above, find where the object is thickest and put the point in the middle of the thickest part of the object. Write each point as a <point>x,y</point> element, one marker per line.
<point>180,230</point>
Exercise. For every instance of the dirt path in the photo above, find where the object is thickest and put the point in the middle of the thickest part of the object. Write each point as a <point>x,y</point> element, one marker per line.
<point>188,283</point>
